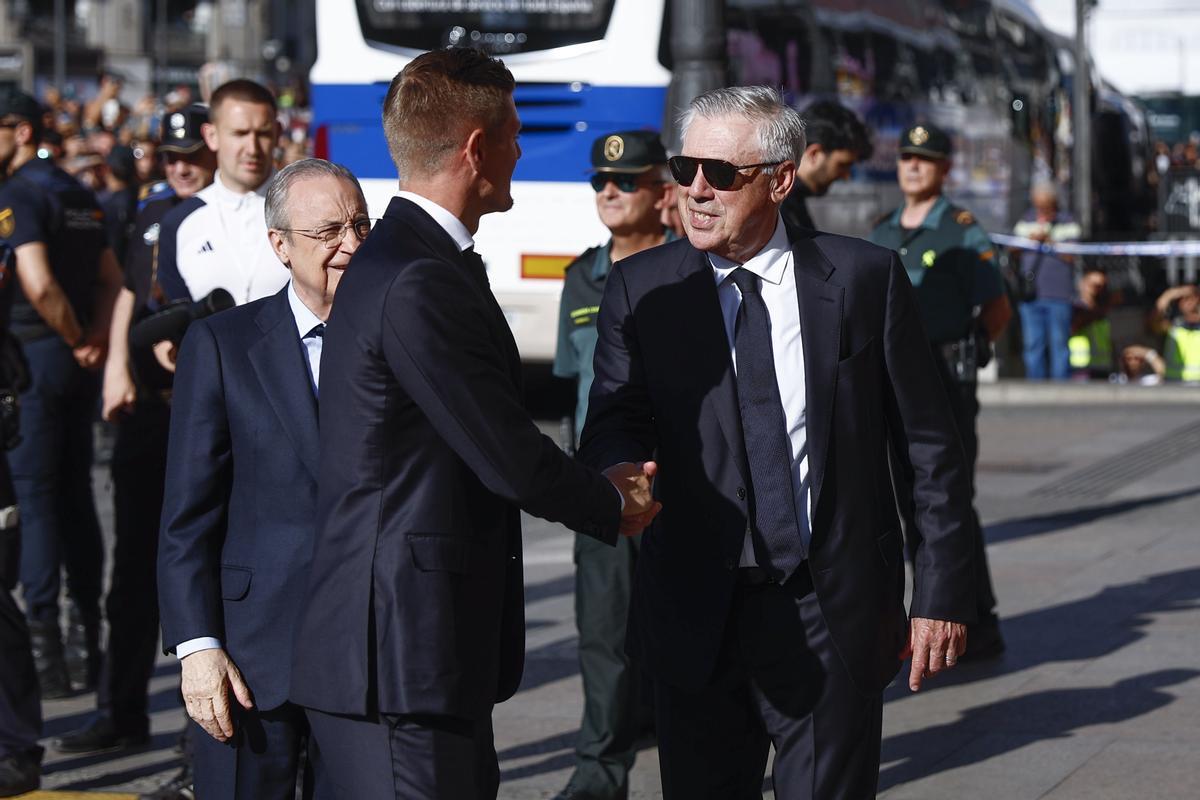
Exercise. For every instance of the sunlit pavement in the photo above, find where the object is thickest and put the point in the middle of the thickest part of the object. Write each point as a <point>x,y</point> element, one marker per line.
<point>1093,522</point>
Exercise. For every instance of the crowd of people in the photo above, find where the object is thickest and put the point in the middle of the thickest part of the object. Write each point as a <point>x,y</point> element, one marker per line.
<point>335,597</point>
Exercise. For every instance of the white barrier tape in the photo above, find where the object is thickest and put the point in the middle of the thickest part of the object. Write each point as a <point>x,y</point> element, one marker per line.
<point>1168,248</point>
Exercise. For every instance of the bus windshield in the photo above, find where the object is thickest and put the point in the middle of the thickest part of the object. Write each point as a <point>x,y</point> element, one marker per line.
<point>497,26</point>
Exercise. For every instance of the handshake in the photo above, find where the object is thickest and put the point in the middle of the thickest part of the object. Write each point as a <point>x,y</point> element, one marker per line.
<point>635,482</point>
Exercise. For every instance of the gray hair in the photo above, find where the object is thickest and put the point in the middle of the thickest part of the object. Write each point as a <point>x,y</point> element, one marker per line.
<point>780,127</point>
<point>281,186</point>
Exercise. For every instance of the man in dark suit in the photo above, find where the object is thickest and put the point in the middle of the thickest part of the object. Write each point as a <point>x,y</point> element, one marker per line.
<point>769,370</point>
<point>413,624</point>
<point>242,468</point>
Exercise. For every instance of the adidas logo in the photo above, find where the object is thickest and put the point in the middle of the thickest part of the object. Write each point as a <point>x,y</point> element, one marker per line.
<point>206,248</point>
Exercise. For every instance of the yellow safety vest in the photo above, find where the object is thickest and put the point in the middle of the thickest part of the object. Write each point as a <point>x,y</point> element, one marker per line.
<point>1091,347</point>
<point>1183,354</point>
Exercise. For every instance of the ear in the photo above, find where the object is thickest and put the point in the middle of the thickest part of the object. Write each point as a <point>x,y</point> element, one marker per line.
<point>24,134</point>
<point>279,244</point>
<point>811,153</point>
<point>475,149</point>
<point>209,132</point>
<point>782,181</point>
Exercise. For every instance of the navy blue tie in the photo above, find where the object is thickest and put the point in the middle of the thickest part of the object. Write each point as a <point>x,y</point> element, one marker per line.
<point>318,331</point>
<point>773,525</point>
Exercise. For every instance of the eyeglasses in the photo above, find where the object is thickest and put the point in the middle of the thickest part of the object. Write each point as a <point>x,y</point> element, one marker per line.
<point>719,174</point>
<point>332,235</point>
<point>624,181</point>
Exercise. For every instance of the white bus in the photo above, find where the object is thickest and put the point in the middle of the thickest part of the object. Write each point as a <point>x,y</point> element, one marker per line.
<point>986,70</point>
<point>583,68</point>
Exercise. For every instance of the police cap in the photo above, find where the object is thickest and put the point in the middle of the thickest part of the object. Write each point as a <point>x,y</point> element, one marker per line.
<point>14,103</point>
<point>925,140</point>
<point>632,152</point>
<point>181,129</point>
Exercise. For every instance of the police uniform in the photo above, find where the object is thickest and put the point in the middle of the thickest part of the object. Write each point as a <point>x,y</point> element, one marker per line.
<point>20,708</point>
<point>604,752</point>
<point>52,465</point>
<point>138,466</point>
<point>949,259</point>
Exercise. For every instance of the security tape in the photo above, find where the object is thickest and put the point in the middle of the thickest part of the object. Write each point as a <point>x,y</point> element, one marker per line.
<point>1166,248</point>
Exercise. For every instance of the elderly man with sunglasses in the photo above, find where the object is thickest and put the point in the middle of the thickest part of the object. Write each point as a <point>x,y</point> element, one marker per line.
<point>238,520</point>
<point>769,371</point>
<point>629,174</point>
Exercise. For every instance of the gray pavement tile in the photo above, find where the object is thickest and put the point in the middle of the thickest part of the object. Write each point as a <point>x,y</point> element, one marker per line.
<point>1135,767</point>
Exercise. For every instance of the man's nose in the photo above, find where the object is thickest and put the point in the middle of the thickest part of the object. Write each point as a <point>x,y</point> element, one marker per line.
<point>699,187</point>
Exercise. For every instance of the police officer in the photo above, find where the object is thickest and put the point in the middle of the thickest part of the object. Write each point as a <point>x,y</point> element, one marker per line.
<point>960,292</point>
<point>628,174</point>
<point>20,710</point>
<point>141,413</point>
<point>69,279</point>
<point>836,140</point>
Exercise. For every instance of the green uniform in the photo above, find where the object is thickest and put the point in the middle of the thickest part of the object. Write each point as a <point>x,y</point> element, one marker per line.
<point>1183,352</point>
<point>1091,349</point>
<point>949,259</point>
<point>604,752</point>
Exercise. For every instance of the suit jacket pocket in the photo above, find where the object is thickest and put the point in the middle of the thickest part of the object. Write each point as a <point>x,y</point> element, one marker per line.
<point>436,553</point>
<point>889,547</point>
<point>235,582</point>
<point>856,359</point>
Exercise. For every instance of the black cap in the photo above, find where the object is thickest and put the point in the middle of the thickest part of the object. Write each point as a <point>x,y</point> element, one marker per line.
<point>632,152</point>
<point>122,163</point>
<point>925,140</point>
<point>18,104</point>
<point>181,129</point>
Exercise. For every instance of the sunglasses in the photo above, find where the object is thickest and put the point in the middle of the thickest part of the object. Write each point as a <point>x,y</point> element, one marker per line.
<point>624,181</point>
<point>719,174</point>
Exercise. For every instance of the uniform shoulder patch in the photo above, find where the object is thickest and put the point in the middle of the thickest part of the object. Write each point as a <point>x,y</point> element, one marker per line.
<point>964,217</point>
<point>8,222</point>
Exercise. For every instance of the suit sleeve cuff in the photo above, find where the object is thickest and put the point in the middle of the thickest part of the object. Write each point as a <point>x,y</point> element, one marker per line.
<point>185,649</point>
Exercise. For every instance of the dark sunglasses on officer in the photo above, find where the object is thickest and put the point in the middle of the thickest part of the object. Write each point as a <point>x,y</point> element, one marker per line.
<point>720,174</point>
<point>626,182</point>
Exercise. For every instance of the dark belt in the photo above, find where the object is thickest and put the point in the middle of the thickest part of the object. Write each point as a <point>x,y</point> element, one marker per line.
<point>800,583</point>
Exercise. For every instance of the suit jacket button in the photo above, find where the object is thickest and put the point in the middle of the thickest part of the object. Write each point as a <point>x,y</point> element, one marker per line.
<point>741,493</point>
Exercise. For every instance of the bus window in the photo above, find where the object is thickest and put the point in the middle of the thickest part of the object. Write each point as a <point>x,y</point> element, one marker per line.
<point>525,25</point>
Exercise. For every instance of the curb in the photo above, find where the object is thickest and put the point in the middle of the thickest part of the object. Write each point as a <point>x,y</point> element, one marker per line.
<point>1051,393</point>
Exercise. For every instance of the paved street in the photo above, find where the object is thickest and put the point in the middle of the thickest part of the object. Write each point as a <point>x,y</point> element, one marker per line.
<point>1091,514</point>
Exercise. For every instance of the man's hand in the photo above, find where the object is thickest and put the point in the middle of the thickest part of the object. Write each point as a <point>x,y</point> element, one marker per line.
<point>934,645</point>
<point>635,483</point>
<point>208,677</point>
<point>90,354</point>
<point>120,392</point>
<point>164,353</point>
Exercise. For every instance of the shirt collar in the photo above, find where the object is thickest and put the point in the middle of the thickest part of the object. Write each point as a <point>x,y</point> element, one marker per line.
<point>237,199</point>
<point>305,319</point>
<point>451,224</point>
<point>768,263</point>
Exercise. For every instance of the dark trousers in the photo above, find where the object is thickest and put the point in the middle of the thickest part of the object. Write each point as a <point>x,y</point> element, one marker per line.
<point>779,681</point>
<point>20,702</point>
<point>604,752</point>
<point>405,756</point>
<point>52,472</point>
<point>964,401</point>
<point>260,762</point>
<point>139,466</point>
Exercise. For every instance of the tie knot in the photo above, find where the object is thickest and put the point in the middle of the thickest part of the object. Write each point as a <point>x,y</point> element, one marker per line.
<point>747,281</point>
<point>318,331</point>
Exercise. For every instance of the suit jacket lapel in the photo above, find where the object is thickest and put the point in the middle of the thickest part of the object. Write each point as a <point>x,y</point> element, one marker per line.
<point>444,246</point>
<point>820,327</point>
<point>700,314</point>
<point>278,363</point>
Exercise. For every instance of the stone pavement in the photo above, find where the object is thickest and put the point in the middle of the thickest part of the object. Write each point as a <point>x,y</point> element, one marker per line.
<point>1092,518</point>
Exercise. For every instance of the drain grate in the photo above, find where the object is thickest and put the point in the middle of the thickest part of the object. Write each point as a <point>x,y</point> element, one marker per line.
<point>1102,478</point>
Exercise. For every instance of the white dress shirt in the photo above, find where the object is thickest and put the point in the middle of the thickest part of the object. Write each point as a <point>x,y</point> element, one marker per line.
<point>773,264</point>
<point>306,320</point>
<point>451,224</point>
